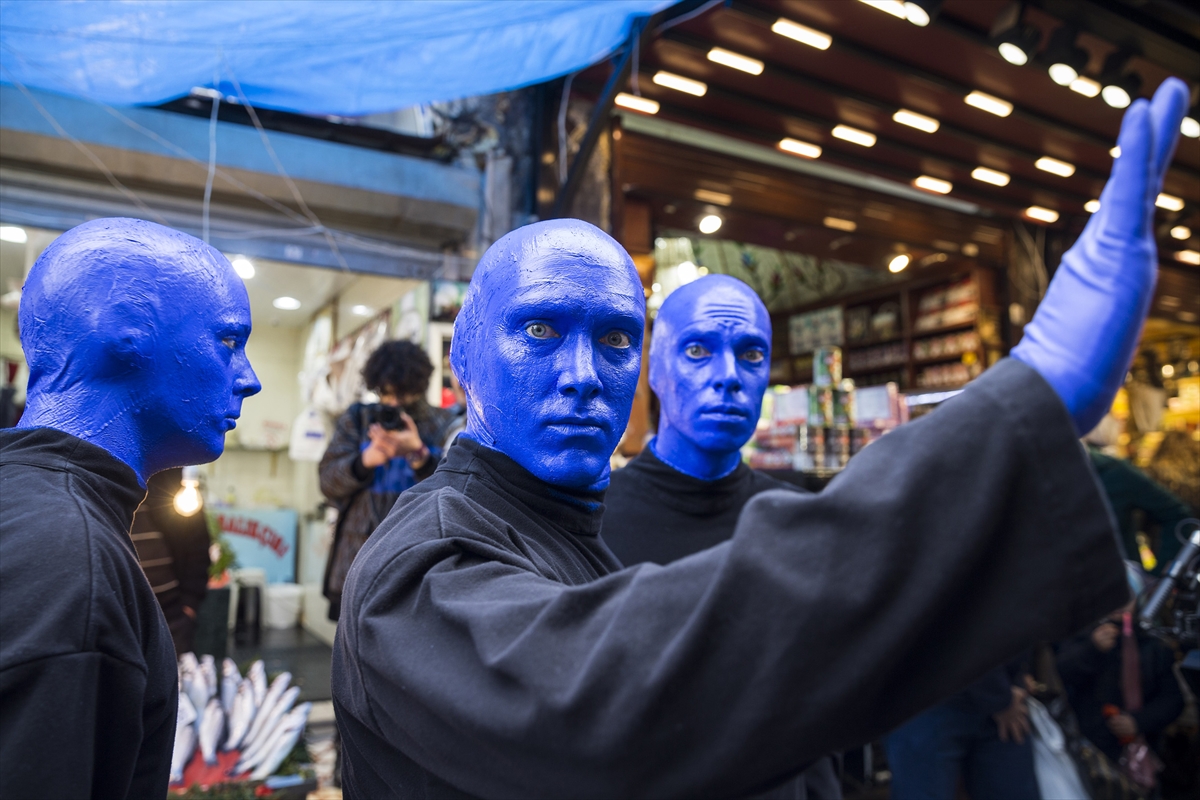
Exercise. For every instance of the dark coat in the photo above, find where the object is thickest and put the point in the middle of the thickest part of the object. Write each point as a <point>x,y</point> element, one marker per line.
<point>492,645</point>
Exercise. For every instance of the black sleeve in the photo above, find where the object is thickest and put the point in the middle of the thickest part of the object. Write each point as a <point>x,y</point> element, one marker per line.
<point>945,548</point>
<point>341,472</point>
<point>1163,703</point>
<point>66,723</point>
<point>1078,659</point>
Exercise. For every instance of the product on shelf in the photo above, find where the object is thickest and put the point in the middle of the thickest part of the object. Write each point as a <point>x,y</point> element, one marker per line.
<point>827,366</point>
<point>878,357</point>
<point>948,346</point>
<point>953,374</point>
<point>953,305</point>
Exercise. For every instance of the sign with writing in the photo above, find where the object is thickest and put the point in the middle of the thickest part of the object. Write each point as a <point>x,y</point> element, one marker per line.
<point>262,538</point>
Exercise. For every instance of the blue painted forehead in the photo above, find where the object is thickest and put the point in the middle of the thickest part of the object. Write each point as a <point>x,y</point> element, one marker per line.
<point>712,296</point>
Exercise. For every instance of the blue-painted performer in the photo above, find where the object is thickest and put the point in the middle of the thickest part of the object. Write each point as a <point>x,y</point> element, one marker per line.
<point>490,645</point>
<point>135,336</point>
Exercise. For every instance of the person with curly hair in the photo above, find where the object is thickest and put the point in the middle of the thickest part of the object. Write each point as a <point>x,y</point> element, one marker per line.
<point>378,450</point>
<point>1176,465</point>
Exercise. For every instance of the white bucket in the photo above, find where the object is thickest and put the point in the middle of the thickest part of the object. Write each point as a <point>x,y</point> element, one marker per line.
<point>281,605</point>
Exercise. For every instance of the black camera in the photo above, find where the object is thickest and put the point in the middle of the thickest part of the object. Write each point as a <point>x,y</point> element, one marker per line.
<point>389,417</point>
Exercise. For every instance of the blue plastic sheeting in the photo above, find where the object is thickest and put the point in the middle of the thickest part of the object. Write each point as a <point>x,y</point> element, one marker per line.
<point>348,58</point>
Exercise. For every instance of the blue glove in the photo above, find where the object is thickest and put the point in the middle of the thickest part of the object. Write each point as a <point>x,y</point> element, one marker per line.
<point>1082,338</point>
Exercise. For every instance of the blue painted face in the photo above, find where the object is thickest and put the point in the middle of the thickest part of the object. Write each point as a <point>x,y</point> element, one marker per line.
<point>710,363</point>
<point>548,347</point>
<point>135,336</point>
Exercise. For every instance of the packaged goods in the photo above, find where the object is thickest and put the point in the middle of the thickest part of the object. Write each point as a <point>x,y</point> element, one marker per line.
<point>827,366</point>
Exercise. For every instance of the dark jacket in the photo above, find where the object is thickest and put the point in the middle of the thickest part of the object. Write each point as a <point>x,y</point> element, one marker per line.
<point>1093,679</point>
<point>491,644</point>
<point>1129,489</point>
<point>87,669</point>
<point>173,550</point>
<point>362,496</point>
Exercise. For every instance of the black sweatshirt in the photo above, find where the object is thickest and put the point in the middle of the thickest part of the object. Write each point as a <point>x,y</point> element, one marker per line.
<point>88,683</point>
<point>653,512</point>
<point>490,645</point>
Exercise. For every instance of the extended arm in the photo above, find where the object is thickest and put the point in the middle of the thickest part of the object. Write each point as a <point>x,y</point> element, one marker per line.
<point>826,620</point>
<point>341,471</point>
<point>1084,333</point>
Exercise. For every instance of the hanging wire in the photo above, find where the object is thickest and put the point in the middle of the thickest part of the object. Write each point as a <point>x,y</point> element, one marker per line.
<point>212,156</point>
<point>562,130</point>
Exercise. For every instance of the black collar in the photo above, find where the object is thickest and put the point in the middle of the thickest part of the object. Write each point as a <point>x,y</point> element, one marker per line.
<point>683,492</point>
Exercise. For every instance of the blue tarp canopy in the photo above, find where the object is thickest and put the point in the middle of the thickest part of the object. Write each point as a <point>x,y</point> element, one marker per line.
<point>348,58</point>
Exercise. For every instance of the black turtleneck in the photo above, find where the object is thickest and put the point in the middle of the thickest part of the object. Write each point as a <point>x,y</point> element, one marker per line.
<point>88,684</point>
<point>491,646</point>
<point>653,512</point>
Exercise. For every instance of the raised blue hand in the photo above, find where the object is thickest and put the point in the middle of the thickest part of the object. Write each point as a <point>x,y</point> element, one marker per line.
<point>1084,333</point>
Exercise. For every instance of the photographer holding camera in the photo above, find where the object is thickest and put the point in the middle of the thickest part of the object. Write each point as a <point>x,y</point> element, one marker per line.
<point>378,451</point>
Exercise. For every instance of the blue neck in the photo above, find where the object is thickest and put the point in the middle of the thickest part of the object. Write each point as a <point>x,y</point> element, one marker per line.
<point>114,432</point>
<point>677,451</point>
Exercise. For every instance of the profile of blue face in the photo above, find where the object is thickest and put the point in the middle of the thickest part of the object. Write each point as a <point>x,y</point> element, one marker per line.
<point>710,361</point>
<point>547,348</point>
<point>155,371</point>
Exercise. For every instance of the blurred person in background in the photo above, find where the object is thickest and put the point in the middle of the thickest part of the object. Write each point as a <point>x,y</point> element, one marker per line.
<point>1115,696</point>
<point>1128,490</point>
<point>1176,465</point>
<point>173,551</point>
<point>378,450</point>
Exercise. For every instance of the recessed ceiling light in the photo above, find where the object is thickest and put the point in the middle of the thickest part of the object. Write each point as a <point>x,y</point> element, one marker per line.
<point>14,234</point>
<point>1091,206</point>
<point>680,83</point>
<point>1190,127</point>
<point>710,223</point>
<point>988,103</point>
<point>362,311</point>
<point>286,303</point>
<point>893,7</point>
<point>1054,166</point>
<point>992,176</point>
<point>898,263</point>
<point>244,267</point>
<point>799,148</point>
<point>1188,257</point>
<point>931,184</point>
<point>914,120</point>
<point>728,58</point>
<point>1169,202</point>
<point>709,196</point>
<point>1085,86</point>
<point>1181,232</point>
<point>1041,214</point>
<point>839,224</point>
<point>854,135</point>
<point>635,103</point>
<point>802,33</point>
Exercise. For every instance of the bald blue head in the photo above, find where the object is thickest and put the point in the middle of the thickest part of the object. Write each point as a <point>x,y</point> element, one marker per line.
<point>135,337</point>
<point>710,361</point>
<point>547,348</point>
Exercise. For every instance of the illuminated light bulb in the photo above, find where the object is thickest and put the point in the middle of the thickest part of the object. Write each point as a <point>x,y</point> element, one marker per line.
<point>680,83</point>
<point>362,311</point>
<point>802,33</point>
<point>1188,257</point>
<point>1091,206</point>
<point>1181,232</point>
<point>1115,151</point>
<point>799,148</point>
<point>992,176</point>
<point>187,500</point>
<point>1115,96</point>
<point>710,223</point>
<point>728,58</point>
<point>14,234</point>
<point>244,267</point>
<point>1085,86</point>
<point>1168,371</point>
<point>988,103</point>
<point>916,14</point>
<point>1055,167</point>
<point>286,303</point>
<point>1013,54</point>
<point>1062,74</point>
<point>702,271</point>
<point>839,224</point>
<point>854,135</point>
<point>709,196</point>
<point>893,7</point>
<point>931,184</point>
<point>1190,128</point>
<point>1041,214</point>
<point>1169,202</point>
<point>914,120</point>
<point>635,103</point>
<point>899,263</point>
<point>687,272</point>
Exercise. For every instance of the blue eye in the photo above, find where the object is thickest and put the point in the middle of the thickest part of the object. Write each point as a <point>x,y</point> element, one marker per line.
<point>697,351</point>
<point>540,330</point>
<point>753,356</point>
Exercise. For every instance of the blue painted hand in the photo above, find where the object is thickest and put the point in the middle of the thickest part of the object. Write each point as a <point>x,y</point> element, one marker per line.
<point>1084,333</point>
<point>709,365</point>
<point>135,336</point>
<point>548,347</point>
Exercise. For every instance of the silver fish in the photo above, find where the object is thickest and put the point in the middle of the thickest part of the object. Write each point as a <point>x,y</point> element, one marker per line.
<point>256,748</point>
<point>277,688</point>
<point>208,669</point>
<point>241,716</point>
<point>258,680</point>
<point>185,738</point>
<point>230,678</point>
<point>210,727</point>
<point>289,732</point>
<point>188,662</point>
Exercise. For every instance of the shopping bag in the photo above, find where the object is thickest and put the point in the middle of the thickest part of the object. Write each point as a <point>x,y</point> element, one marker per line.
<point>1057,776</point>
